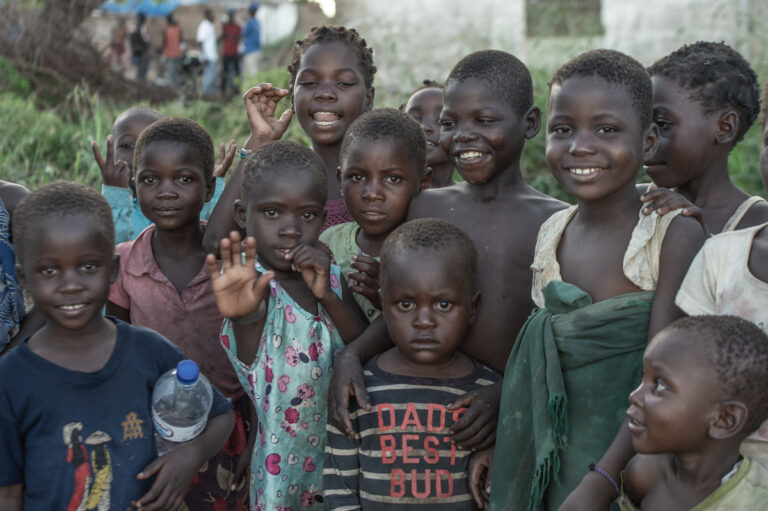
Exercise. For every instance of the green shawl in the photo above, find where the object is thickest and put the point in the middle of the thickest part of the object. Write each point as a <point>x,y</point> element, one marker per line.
<point>565,393</point>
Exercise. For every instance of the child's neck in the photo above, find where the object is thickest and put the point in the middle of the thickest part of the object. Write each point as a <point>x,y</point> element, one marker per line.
<point>500,184</point>
<point>371,244</point>
<point>712,187</point>
<point>442,174</point>
<point>178,243</point>
<point>703,472</point>
<point>616,208</point>
<point>330,156</point>
<point>393,361</point>
<point>87,349</point>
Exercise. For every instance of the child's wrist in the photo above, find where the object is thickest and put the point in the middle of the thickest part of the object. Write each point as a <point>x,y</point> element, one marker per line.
<point>253,317</point>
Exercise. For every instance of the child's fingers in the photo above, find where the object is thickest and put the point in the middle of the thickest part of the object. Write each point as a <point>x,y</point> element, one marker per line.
<point>367,266</point>
<point>363,279</point>
<point>464,401</point>
<point>151,469</point>
<point>262,283</point>
<point>211,267</point>
<point>490,439</point>
<point>225,252</point>
<point>470,431</point>
<point>97,156</point>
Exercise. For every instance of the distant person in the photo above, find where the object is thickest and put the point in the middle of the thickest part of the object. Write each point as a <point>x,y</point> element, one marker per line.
<point>231,34</point>
<point>118,45</point>
<point>140,47</point>
<point>252,39</point>
<point>172,52</point>
<point>206,37</point>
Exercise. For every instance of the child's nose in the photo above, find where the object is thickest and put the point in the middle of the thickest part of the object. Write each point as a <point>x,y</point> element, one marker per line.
<point>70,282</point>
<point>372,191</point>
<point>582,143</point>
<point>324,91</point>
<point>424,318</point>
<point>635,395</point>
<point>290,229</point>
<point>464,133</point>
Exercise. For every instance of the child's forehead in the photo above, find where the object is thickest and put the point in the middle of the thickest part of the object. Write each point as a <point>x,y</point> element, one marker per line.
<point>132,124</point>
<point>286,182</point>
<point>87,224</point>
<point>475,93</point>
<point>599,92</point>
<point>337,54</point>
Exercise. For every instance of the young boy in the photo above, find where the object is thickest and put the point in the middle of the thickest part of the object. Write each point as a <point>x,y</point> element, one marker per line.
<point>487,116</point>
<point>117,172</point>
<point>704,388</point>
<point>162,283</point>
<point>81,386</point>
<point>705,98</point>
<point>402,456</point>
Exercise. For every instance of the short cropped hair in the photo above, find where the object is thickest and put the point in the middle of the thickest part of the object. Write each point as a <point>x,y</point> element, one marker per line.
<point>59,199</point>
<point>716,76</point>
<point>764,105</point>
<point>615,68</point>
<point>431,234</point>
<point>425,84</point>
<point>502,72</point>
<point>276,158</point>
<point>738,354</point>
<point>137,111</point>
<point>181,130</point>
<point>334,34</point>
<point>389,124</point>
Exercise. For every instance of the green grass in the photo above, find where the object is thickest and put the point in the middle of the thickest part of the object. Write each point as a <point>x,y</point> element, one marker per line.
<point>39,144</point>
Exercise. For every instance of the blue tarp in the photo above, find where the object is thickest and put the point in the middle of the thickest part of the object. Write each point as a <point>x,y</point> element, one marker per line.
<point>148,7</point>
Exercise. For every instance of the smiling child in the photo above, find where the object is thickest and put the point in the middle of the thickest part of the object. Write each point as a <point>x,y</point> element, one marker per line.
<point>382,169</point>
<point>704,388</point>
<point>402,456</point>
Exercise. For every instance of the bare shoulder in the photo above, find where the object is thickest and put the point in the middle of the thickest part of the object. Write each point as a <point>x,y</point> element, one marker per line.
<point>540,203</point>
<point>684,236</point>
<point>432,201</point>
<point>11,194</point>
<point>756,215</point>
<point>643,473</point>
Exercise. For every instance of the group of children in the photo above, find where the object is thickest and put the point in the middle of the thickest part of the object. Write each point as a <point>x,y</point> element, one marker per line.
<point>380,337</point>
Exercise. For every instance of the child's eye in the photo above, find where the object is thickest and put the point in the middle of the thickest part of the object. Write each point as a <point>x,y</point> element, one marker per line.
<point>309,215</point>
<point>48,271</point>
<point>148,180</point>
<point>185,180</point>
<point>604,130</point>
<point>393,179</point>
<point>128,146</point>
<point>663,124</point>
<point>561,130</point>
<point>446,124</point>
<point>405,305</point>
<point>89,267</point>
<point>444,305</point>
<point>658,385</point>
<point>307,83</point>
<point>271,212</point>
<point>485,120</point>
<point>356,178</point>
<point>346,84</point>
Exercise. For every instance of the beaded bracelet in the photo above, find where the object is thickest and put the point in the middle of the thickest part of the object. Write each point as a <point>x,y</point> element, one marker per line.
<point>244,153</point>
<point>595,468</point>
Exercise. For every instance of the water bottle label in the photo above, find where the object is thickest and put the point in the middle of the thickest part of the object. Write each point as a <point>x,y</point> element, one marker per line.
<point>177,434</point>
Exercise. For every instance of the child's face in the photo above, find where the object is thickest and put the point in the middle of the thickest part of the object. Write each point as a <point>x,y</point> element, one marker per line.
<point>425,106</point>
<point>595,144</point>
<point>684,132</point>
<point>329,92</point>
<point>171,185</point>
<point>764,157</point>
<point>285,212</point>
<point>67,267</point>
<point>677,399</point>
<point>378,180</point>
<point>482,134</point>
<point>125,135</point>
<point>426,307</point>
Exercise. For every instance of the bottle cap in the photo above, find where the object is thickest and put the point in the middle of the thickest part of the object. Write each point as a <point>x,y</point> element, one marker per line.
<point>187,372</point>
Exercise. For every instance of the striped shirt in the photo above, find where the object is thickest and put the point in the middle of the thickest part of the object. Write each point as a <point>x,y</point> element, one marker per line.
<point>402,456</point>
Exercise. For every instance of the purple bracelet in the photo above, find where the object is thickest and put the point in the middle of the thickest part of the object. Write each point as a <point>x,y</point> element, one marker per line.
<point>595,468</point>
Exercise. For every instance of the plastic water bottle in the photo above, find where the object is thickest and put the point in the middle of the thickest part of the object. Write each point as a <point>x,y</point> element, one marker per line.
<point>181,402</point>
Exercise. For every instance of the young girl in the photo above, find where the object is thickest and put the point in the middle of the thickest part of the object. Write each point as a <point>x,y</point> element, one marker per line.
<point>288,313</point>
<point>604,278</point>
<point>331,86</point>
<point>382,168</point>
<point>705,98</point>
<point>425,105</point>
<point>163,285</point>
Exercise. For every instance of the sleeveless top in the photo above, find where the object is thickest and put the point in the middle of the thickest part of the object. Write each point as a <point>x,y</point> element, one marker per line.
<point>641,259</point>
<point>738,215</point>
<point>12,307</point>
<point>172,48</point>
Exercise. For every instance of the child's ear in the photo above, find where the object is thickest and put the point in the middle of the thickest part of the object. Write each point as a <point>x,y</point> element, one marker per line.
<point>474,307</point>
<point>727,128</point>
<point>115,268</point>
<point>426,179</point>
<point>210,188</point>
<point>650,141</point>
<point>241,212</point>
<point>369,94</point>
<point>731,419</point>
<point>532,122</point>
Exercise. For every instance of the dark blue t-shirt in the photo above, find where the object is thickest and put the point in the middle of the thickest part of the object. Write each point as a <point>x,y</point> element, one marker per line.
<point>79,439</point>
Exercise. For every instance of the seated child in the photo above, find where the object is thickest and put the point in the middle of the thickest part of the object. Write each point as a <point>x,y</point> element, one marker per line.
<point>704,388</point>
<point>12,307</point>
<point>488,206</point>
<point>425,105</point>
<point>705,98</point>
<point>604,279</point>
<point>331,85</point>
<point>382,169</point>
<point>401,455</point>
<point>117,174</point>
<point>288,313</point>
<point>75,419</point>
<point>163,284</point>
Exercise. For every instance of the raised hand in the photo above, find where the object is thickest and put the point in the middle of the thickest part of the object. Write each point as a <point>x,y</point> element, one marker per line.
<point>366,280</point>
<point>225,159</point>
<point>239,289</point>
<point>314,264</point>
<point>113,173</point>
<point>260,104</point>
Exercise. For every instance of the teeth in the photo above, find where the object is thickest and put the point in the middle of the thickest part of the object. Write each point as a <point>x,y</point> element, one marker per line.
<point>325,118</point>
<point>431,144</point>
<point>468,155</point>
<point>583,172</point>
<point>72,307</point>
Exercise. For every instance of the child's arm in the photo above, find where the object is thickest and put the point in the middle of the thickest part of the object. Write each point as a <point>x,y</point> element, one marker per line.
<point>477,427</point>
<point>260,104</point>
<point>314,263</point>
<point>479,476</point>
<point>240,292</point>
<point>174,471</point>
<point>11,497</point>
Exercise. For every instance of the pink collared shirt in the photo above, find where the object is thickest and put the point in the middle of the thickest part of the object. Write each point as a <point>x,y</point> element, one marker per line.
<point>190,320</point>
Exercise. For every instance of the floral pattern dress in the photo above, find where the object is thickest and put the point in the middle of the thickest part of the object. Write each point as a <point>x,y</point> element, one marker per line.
<point>288,381</point>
